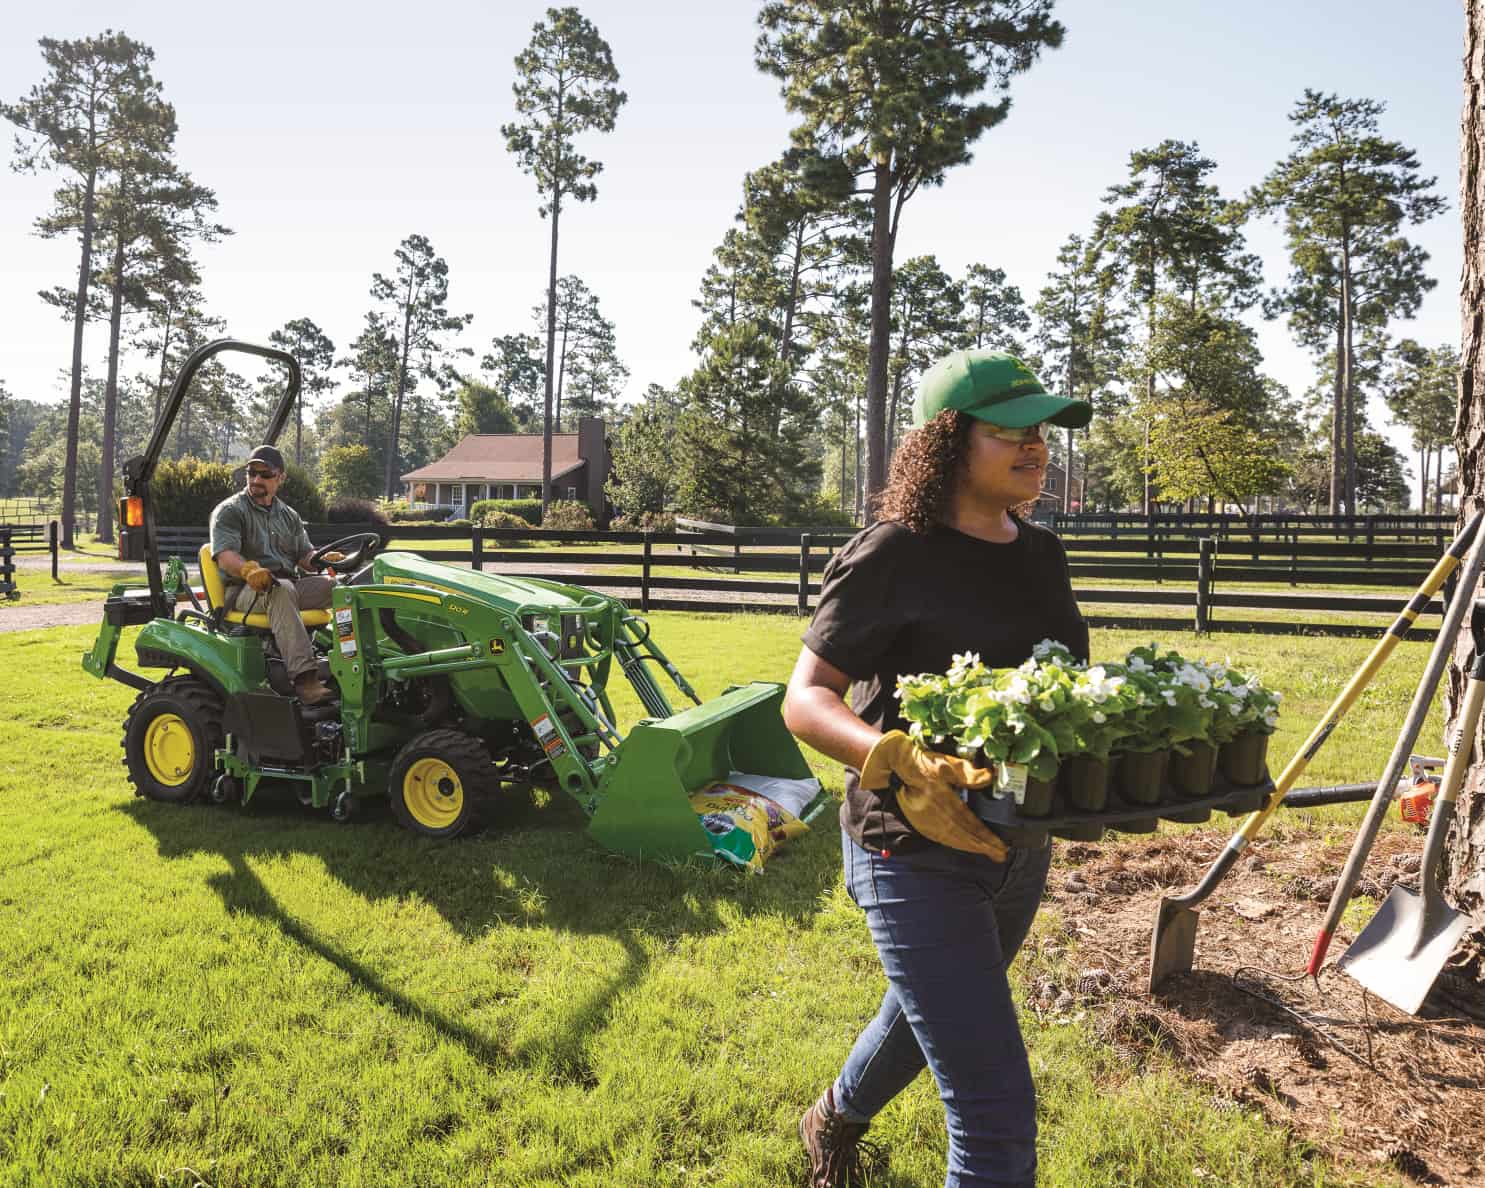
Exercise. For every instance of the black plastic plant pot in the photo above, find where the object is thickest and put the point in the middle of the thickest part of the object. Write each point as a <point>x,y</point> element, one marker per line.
<point>1244,760</point>
<point>1192,773</point>
<point>1038,799</point>
<point>1085,783</point>
<point>1142,776</point>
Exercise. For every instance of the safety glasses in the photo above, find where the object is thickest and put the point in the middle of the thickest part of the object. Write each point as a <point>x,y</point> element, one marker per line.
<point>1024,436</point>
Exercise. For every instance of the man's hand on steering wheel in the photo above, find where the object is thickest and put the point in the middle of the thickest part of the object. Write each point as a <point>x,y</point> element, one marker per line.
<point>347,553</point>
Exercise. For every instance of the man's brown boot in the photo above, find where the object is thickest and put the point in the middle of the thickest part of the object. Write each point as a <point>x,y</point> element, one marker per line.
<point>308,689</point>
<point>834,1145</point>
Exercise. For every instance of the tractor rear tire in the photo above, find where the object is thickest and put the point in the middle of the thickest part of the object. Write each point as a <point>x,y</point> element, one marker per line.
<point>171,736</point>
<point>438,779</point>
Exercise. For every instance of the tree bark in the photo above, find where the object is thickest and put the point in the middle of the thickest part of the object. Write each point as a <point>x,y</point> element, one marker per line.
<point>395,433</point>
<point>74,403</point>
<point>1338,420</point>
<point>111,391</point>
<point>1463,872</point>
<point>881,329</point>
<point>1348,323</point>
<point>546,421</point>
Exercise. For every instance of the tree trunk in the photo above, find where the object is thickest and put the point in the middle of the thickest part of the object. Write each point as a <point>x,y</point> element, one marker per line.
<point>164,361</point>
<point>1423,455</point>
<point>395,433</point>
<point>1338,419</point>
<point>1463,872</point>
<point>881,329</point>
<point>546,416</point>
<point>857,475</point>
<point>1438,482</point>
<point>74,403</point>
<point>1348,320</point>
<point>111,394</point>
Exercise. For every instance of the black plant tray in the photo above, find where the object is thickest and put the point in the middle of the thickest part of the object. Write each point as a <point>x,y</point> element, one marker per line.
<point>1120,815</point>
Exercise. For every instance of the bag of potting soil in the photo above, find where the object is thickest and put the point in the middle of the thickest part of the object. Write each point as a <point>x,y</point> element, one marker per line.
<point>745,825</point>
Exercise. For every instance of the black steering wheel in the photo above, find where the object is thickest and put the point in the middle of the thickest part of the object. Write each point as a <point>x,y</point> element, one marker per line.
<point>358,550</point>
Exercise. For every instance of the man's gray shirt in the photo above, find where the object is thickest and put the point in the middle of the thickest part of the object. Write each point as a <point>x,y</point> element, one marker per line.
<point>273,536</point>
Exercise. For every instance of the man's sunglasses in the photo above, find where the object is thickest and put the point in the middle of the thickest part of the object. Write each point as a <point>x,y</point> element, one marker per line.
<point>1019,436</point>
<point>259,472</point>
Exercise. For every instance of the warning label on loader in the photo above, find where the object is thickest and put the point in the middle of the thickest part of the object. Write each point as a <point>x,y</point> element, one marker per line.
<point>547,736</point>
<point>345,629</point>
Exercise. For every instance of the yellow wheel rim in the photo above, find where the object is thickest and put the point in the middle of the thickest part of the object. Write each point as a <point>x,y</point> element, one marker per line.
<point>433,794</point>
<point>169,750</point>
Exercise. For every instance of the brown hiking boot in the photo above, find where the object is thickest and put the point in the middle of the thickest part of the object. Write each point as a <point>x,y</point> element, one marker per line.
<point>834,1145</point>
<point>309,689</point>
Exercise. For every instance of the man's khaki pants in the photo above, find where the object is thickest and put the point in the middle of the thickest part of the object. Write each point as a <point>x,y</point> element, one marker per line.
<point>282,602</point>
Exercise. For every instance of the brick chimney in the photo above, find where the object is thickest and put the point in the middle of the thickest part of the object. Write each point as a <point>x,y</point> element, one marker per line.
<point>593,449</point>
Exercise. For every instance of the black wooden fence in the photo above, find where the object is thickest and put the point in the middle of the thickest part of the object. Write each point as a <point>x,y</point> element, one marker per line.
<point>1147,582</point>
<point>1263,526</point>
<point>7,564</point>
<point>39,537</point>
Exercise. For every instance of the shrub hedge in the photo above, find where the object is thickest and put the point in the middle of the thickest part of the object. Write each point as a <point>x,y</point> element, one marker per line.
<point>527,509</point>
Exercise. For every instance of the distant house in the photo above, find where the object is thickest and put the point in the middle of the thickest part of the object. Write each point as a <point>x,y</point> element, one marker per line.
<point>1051,496</point>
<point>508,466</point>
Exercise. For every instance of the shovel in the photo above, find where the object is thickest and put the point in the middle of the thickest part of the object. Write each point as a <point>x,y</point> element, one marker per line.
<point>1173,942</point>
<point>1401,951</point>
<point>1366,836</point>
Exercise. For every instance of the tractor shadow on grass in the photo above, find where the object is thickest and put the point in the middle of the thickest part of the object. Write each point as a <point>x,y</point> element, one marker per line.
<point>529,867</point>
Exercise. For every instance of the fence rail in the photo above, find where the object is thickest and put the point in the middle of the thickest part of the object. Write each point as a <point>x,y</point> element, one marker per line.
<point>1146,582</point>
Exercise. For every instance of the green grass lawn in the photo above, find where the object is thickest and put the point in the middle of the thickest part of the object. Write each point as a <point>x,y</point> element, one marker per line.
<point>234,997</point>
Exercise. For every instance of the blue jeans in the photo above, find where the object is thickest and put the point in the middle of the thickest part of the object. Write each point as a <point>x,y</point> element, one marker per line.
<point>946,925</point>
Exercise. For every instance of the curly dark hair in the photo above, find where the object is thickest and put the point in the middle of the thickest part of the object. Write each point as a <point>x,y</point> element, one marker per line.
<point>924,470</point>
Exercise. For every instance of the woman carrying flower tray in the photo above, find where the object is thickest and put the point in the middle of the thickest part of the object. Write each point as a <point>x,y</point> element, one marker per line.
<point>949,568</point>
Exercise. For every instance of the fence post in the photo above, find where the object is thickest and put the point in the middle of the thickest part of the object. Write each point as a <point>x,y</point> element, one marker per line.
<point>644,576</point>
<point>1204,583</point>
<point>51,540</point>
<point>804,573</point>
<point>7,565</point>
<point>1371,537</point>
<point>477,547</point>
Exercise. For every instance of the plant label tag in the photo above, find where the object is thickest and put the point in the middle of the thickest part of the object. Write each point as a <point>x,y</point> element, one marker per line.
<point>1011,777</point>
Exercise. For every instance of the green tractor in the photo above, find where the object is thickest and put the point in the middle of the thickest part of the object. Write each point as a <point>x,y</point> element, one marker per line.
<point>454,686</point>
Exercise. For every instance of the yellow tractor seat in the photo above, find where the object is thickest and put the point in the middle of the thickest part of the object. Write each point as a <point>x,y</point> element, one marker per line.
<point>216,595</point>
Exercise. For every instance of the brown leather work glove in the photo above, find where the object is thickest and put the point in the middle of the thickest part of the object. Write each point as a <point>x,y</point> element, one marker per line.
<point>928,798</point>
<point>256,576</point>
<point>334,558</point>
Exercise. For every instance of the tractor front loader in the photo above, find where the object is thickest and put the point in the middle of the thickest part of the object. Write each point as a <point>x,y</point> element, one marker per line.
<point>453,687</point>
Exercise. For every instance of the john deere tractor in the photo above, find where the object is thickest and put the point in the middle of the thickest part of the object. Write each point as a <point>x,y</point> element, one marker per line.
<point>452,687</point>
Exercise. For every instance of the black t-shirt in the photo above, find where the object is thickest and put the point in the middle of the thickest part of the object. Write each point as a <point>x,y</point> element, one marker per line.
<point>897,602</point>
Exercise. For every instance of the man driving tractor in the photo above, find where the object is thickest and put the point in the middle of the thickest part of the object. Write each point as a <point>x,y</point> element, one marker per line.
<point>258,540</point>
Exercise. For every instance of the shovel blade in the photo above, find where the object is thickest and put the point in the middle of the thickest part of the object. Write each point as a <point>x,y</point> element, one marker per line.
<point>1401,952</point>
<point>1173,943</point>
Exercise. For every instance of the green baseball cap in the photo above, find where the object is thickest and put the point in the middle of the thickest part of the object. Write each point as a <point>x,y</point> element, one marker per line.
<point>996,387</point>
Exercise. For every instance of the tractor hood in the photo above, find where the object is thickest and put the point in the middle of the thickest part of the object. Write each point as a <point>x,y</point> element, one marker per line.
<point>506,592</point>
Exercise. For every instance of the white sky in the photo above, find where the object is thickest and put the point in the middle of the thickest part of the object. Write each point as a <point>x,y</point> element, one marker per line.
<point>331,131</point>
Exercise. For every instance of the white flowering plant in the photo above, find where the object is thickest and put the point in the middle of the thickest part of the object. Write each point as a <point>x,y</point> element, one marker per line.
<point>1048,708</point>
<point>1248,705</point>
<point>1055,706</point>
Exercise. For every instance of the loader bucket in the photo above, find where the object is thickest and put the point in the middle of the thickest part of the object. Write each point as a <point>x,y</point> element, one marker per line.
<point>644,807</point>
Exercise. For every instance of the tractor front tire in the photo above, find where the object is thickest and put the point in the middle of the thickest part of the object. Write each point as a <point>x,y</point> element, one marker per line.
<point>171,736</point>
<point>437,780</point>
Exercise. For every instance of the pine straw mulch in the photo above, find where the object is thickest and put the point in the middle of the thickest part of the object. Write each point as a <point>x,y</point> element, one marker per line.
<point>1339,1067</point>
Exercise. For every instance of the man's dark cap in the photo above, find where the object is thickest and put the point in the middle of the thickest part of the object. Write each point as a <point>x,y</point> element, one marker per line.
<point>269,456</point>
